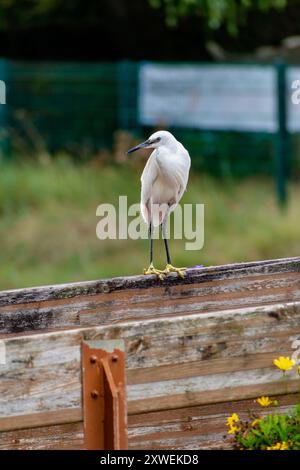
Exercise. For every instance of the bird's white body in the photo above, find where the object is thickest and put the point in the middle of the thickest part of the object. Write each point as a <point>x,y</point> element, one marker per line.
<point>164,178</point>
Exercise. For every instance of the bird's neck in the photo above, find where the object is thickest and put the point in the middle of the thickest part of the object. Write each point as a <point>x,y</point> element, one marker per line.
<point>171,147</point>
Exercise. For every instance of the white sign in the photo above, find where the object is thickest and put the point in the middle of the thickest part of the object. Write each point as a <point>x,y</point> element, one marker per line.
<point>231,97</point>
<point>293,107</point>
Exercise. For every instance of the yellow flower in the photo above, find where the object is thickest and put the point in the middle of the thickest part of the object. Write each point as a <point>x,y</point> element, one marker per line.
<point>279,446</point>
<point>264,401</point>
<point>233,429</point>
<point>275,447</point>
<point>284,446</point>
<point>284,363</point>
<point>255,422</point>
<point>234,418</point>
<point>231,422</point>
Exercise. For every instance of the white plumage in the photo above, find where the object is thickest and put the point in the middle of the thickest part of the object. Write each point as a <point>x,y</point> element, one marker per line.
<point>164,181</point>
<point>164,178</point>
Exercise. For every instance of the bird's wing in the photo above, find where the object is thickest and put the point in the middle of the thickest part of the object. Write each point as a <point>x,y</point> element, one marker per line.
<point>148,178</point>
<point>182,186</point>
<point>182,174</point>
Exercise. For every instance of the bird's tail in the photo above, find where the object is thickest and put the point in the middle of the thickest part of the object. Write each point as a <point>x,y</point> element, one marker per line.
<point>145,213</point>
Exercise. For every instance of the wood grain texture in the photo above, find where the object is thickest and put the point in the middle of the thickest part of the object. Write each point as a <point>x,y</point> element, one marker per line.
<point>142,297</point>
<point>181,339</point>
<point>201,368</point>
<point>63,291</point>
<point>38,419</point>
<point>224,356</point>
<point>195,348</point>
<point>60,437</point>
<point>41,374</point>
<point>192,396</point>
<point>199,427</point>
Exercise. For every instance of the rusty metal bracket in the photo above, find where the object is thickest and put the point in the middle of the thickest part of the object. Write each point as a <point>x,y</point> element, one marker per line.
<point>104,397</point>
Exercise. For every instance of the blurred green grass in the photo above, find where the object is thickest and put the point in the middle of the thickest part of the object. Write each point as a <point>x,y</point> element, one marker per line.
<point>48,223</point>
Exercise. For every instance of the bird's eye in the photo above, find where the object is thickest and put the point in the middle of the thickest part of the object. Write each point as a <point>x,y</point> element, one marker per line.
<point>158,139</point>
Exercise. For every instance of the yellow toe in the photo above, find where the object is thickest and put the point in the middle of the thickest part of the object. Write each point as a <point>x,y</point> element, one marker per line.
<point>173,269</point>
<point>157,272</point>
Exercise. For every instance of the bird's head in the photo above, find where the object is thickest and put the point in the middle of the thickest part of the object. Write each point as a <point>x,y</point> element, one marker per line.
<point>155,140</point>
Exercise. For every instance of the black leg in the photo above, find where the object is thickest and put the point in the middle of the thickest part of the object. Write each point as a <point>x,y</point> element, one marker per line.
<point>151,269</point>
<point>151,243</point>
<point>163,229</point>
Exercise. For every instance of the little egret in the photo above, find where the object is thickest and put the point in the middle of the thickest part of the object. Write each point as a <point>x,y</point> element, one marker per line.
<point>164,181</point>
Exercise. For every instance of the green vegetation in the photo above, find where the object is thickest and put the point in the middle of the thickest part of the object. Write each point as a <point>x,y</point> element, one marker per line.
<point>215,12</point>
<point>276,431</point>
<point>271,432</point>
<point>48,222</point>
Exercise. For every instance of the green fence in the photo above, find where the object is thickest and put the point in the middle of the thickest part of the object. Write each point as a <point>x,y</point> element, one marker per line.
<point>79,106</point>
<point>64,106</point>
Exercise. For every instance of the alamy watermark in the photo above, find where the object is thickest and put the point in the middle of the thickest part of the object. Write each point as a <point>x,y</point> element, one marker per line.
<point>126,222</point>
<point>2,92</point>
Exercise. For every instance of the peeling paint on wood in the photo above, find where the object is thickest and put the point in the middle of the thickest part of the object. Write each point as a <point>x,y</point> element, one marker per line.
<point>199,427</point>
<point>60,437</point>
<point>197,346</point>
<point>141,297</point>
<point>43,371</point>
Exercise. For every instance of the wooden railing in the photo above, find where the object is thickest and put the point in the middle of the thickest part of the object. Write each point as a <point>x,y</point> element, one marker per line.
<point>196,348</point>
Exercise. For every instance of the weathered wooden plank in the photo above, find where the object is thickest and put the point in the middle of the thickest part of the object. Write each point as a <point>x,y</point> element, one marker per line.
<point>216,295</point>
<point>157,403</point>
<point>131,298</point>
<point>197,368</point>
<point>200,427</point>
<point>61,437</point>
<point>204,412</point>
<point>64,291</point>
<point>206,383</point>
<point>102,309</point>
<point>42,373</point>
<point>38,419</point>
<point>172,401</point>
<point>192,396</point>
<point>39,316</point>
<point>182,339</point>
<point>190,344</point>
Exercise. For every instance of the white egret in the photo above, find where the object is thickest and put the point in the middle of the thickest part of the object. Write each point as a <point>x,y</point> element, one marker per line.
<point>164,181</point>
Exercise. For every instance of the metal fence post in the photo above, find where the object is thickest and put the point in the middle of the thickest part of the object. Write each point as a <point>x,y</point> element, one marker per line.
<point>127,93</point>
<point>104,398</point>
<point>282,136</point>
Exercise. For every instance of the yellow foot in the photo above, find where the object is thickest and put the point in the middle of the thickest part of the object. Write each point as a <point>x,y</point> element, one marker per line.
<point>152,270</point>
<point>171,269</point>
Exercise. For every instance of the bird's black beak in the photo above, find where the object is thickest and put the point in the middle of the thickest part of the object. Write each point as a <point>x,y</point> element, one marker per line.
<point>140,146</point>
